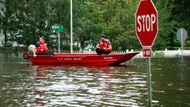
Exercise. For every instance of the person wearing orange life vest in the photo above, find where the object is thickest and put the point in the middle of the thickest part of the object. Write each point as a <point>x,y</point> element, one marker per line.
<point>104,46</point>
<point>41,47</point>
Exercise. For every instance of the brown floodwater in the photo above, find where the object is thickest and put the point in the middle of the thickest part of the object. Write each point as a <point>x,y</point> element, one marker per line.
<point>24,85</point>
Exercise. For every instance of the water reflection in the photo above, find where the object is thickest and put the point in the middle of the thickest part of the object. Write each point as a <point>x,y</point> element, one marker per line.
<point>171,84</point>
<point>41,79</point>
<point>74,86</point>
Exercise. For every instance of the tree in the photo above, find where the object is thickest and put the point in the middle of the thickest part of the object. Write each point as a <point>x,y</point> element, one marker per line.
<point>5,21</point>
<point>22,21</point>
<point>25,20</point>
<point>116,19</point>
<point>180,13</point>
<point>167,26</point>
<point>82,23</point>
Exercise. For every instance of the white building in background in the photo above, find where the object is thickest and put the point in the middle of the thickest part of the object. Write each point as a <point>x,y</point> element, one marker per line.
<point>2,10</point>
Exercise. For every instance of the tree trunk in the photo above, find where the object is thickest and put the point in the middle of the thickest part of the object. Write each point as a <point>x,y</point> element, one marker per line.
<point>5,35</point>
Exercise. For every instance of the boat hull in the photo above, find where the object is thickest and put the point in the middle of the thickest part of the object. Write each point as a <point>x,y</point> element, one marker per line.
<point>81,59</point>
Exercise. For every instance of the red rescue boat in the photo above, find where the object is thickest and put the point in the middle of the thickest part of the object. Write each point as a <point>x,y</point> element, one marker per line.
<point>80,59</point>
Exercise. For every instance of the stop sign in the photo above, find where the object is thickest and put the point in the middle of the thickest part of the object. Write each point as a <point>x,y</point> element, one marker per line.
<point>146,22</point>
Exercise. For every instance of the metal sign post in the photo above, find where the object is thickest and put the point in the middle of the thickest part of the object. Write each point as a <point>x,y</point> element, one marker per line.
<point>71,26</point>
<point>58,42</point>
<point>182,36</point>
<point>149,75</point>
<point>147,53</point>
<point>182,46</point>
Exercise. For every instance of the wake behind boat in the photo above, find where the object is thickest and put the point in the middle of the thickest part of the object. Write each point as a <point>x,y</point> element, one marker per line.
<point>80,59</point>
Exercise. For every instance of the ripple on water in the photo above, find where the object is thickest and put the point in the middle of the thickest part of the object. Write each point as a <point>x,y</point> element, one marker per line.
<point>86,88</point>
<point>80,86</point>
<point>24,85</point>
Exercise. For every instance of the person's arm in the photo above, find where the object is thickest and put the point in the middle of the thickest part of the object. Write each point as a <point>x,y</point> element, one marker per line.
<point>109,49</point>
<point>110,46</point>
<point>98,46</point>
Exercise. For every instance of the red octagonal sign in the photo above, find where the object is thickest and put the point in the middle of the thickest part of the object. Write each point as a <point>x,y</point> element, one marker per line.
<point>146,20</point>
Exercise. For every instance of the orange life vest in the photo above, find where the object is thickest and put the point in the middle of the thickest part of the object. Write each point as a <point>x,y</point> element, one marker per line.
<point>104,45</point>
<point>42,48</point>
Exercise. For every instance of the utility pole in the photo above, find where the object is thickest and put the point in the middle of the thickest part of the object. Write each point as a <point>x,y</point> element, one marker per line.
<point>71,26</point>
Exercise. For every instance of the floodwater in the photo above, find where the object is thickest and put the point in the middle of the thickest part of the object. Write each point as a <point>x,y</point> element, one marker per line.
<point>24,85</point>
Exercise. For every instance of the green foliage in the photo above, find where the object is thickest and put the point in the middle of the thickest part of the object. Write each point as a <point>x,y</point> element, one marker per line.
<point>166,26</point>
<point>26,20</point>
<point>116,19</point>
<point>181,12</point>
<point>187,43</point>
<point>84,32</point>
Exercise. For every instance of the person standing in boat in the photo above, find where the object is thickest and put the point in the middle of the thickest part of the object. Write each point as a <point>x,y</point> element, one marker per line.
<point>104,46</point>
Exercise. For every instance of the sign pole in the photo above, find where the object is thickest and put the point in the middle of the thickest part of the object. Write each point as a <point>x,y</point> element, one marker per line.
<point>181,44</point>
<point>71,26</point>
<point>58,42</point>
<point>182,36</point>
<point>149,82</point>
